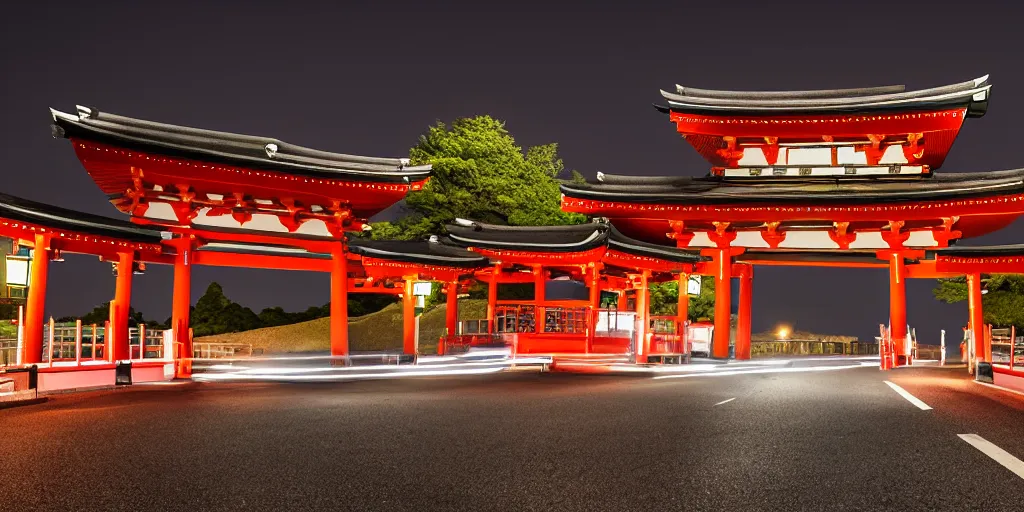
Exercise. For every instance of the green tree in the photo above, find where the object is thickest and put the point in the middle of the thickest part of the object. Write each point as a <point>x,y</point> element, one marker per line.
<point>214,313</point>
<point>480,173</point>
<point>665,299</point>
<point>1002,304</point>
<point>101,314</point>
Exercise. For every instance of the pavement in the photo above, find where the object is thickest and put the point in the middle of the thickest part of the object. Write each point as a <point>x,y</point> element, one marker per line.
<point>836,439</point>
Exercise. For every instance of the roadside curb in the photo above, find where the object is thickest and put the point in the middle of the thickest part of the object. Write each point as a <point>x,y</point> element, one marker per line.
<point>10,404</point>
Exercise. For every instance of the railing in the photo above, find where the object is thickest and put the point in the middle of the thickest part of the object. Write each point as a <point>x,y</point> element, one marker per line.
<point>221,350</point>
<point>1005,342</point>
<point>810,347</point>
<point>461,343</point>
<point>67,341</point>
<point>146,343</point>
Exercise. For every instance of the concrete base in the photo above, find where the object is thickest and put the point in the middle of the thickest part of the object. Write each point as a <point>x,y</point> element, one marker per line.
<point>1007,379</point>
<point>57,379</point>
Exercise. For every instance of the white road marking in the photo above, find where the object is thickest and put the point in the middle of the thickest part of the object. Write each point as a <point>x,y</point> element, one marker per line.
<point>725,401</point>
<point>996,453</point>
<point>910,398</point>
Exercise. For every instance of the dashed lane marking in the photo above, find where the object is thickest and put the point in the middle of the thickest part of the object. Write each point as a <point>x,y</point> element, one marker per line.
<point>996,453</point>
<point>725,401</point>
<point>910,398</point>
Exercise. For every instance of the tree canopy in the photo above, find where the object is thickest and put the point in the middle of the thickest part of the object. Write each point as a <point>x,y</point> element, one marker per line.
<point>1002,304</point>
<point>665,300</point>
<point>480,173</point>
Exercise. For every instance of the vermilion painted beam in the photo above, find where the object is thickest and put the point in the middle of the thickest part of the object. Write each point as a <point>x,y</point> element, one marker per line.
<point>230,259</point>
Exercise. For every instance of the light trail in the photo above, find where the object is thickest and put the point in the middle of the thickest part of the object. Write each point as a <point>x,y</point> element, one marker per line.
<point>724,401</point>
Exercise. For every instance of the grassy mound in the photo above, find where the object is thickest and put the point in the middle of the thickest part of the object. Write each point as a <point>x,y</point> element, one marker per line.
<point>377,331</point>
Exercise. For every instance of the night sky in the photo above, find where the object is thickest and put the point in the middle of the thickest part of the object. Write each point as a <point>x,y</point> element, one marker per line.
<point>368,79</point>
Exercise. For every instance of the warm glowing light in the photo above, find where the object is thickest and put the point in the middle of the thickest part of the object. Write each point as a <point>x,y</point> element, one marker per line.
<point>782,332</point>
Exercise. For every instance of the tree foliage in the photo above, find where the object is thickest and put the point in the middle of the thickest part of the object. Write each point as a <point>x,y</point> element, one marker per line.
<point>665,300</point>
<point>1003,303</point>
<point>214,313</point>
<point>101,314</point>
<point>480,173</point>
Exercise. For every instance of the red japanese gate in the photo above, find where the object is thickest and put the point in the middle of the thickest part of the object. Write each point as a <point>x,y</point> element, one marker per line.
<point>821,178</point>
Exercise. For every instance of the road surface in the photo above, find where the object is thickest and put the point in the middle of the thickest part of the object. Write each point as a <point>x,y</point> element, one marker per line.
<point>828,440</point>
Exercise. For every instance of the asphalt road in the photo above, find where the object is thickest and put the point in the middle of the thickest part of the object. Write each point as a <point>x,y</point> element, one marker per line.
<point>831,440</point>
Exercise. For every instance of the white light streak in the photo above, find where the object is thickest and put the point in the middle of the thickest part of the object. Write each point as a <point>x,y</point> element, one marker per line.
<point>724,401</point>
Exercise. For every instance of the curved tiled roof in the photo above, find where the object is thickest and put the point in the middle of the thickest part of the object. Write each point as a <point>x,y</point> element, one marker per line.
<point>55,217</point>
<point>717,190</point>
<point>972,94</point>
<point>573,238</point>
<point>429,252</point>
<point>230,148</point>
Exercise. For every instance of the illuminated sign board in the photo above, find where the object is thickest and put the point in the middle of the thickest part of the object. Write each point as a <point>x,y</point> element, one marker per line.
<point>421,288</point>
<point>693,285</point>
<point>17,271</point>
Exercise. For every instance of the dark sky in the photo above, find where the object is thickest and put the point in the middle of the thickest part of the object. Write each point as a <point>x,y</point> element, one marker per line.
<point>367,78</point>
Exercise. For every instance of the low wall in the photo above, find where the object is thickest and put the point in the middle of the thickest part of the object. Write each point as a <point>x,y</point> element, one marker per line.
<point>810,347</point>
<point>64,379</point>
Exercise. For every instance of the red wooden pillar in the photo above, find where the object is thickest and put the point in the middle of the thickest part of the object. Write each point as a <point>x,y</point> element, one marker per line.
<point>723,315</point>
<point>492,297</point>
<point>643,342</point>
<point>36,302</point>
<point>982,349</point>
<point>409,318</point>
<point>743,319</point>
<point>339,301</point>
<point>119,340</point>
<point>595,306</point>
<point>898,306</point>
<point>682,306</point>
<point>181,304</point>
<point>539,292</point>
<point>451,317</point>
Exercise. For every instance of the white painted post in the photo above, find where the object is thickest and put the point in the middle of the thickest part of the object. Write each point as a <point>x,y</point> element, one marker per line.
<point>21,337</point>
<point>942,349</point>
<point>78,342</point>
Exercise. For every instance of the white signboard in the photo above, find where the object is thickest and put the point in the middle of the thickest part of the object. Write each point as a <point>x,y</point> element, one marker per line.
<point>17,271</point>
<point>421,288</point>
<point>693,285</point>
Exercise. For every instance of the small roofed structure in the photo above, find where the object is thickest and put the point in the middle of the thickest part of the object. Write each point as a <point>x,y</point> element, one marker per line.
<point>51,231</point>
<point>869,131</point>
<point>180,176</point>
<point>238,200</point>
<point>841,178</point>
<point>595,253</point>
